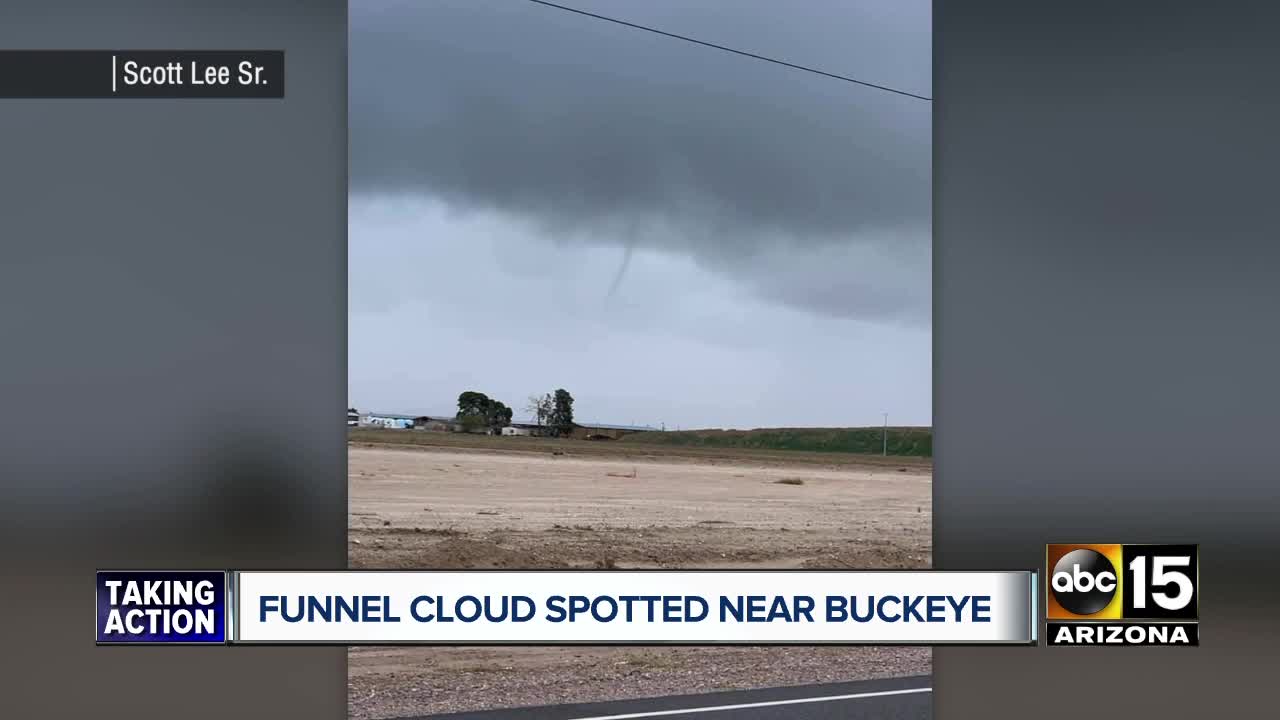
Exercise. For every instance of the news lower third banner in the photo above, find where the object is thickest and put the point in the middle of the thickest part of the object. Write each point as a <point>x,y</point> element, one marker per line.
<point>593,607</point>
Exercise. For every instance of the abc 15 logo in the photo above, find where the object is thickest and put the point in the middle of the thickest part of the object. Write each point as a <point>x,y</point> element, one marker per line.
<point>1122,582</point>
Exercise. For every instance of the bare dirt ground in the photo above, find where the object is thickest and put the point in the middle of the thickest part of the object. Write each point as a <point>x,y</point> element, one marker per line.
<point>488,507</point>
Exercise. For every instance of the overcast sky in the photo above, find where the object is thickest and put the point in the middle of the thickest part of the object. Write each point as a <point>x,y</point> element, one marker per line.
<point>672,233</point>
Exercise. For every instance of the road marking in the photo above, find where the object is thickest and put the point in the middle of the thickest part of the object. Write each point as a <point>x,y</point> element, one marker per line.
<point>770,703</point>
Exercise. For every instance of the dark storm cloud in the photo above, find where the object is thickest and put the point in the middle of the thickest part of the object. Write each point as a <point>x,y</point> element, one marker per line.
<point>606,135</point>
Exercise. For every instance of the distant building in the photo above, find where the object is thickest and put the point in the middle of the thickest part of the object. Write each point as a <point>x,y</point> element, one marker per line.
<point>387,420</point>
<point>516,428</point>
<point>602,431</point>
<point>526,427</point>
<point>435,423</point>
<point>582,431</point>
<point>620,428</point>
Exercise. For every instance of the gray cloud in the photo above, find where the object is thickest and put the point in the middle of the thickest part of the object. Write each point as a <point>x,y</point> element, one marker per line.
<point>814,192</point>
<point>675,234</point>
<point>677,343</point>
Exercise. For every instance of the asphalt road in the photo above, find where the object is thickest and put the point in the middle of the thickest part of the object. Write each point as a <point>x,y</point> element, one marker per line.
<point>907,698</point>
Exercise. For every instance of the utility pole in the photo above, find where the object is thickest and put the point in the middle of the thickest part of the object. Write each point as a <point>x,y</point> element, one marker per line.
<point>885,452</point>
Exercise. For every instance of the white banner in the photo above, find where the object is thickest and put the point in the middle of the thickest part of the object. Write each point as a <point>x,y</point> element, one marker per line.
<point>634,607</point>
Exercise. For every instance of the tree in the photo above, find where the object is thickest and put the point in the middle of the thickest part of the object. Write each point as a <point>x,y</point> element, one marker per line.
<point>540,408</point>
<point>477,410</point>
<point>473,403</point>
<point>497,415</point>
<point>471,423</point>
<point>561,420</point>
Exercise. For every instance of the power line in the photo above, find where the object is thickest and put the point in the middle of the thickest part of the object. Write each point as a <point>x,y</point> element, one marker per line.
<point>731,50</point>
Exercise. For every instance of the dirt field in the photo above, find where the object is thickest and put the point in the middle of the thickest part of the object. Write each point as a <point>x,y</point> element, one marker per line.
<point>490,507</point>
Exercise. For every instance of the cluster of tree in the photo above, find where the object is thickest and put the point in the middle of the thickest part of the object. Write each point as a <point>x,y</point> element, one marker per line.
<point>553,411</point>
<point>478,411</point>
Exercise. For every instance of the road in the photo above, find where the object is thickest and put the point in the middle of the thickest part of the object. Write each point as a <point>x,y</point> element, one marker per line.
<point>907,698</point>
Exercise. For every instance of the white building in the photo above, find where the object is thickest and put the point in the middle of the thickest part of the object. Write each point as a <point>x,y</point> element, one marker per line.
<point>387,420</point>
